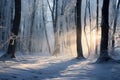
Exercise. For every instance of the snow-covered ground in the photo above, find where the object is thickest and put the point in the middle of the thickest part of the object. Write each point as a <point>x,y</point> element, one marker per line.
<point>57,68</point>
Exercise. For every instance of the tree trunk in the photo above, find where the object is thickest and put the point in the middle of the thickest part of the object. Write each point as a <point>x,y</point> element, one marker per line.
<point>14,32</point>
<point>79,30</point>
<point>54,15</point>
<point>85,20</point>
<point>105,33</point>
<point>115,24</point>
<point>56,36</point>
<point>97,24</point>
<point>31,27</point>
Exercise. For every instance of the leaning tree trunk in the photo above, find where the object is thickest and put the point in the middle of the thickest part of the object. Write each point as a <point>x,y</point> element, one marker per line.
<point>104,33</point>
<point>79,30</point>
<point>14,32</point>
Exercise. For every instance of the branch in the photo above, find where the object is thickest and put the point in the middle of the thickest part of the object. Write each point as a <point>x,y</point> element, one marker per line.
<point>49,6</point>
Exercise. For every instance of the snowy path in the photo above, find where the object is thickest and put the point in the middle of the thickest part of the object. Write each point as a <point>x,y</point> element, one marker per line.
<point>57,68</point>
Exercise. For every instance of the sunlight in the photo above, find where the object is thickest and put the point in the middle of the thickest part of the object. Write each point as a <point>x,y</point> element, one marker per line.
<point>68,41</point>
<point>88,43</point>
<point>94,37</point>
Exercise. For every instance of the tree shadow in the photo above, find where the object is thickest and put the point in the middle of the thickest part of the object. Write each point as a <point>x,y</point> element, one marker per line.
<point>71,69</point>
<point>53,70</point>
<point>101,71</point>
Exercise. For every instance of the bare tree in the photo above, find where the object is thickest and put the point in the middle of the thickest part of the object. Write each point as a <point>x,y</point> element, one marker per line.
<point>90,20</point>
<point>44,21</point>
<point>32,24</point>
<point>97,24</point>
<point>115,24</point>
<point>14,32</point>
<point>104,32</point>
<point>54,14</point>
<point>85,18</point>
<point>79,30</point>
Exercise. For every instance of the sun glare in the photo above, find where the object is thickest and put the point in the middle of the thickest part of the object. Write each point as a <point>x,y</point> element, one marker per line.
<point>90,40</point>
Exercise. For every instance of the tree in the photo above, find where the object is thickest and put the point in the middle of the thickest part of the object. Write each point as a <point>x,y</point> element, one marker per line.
<point>14,31</point>
<point>97,24</point>
<point>115,24</point>
<point>104,32</point>
<point>79,30</point>
<point>44,21</point>
<point>54,15</point>
<point>32,24</point>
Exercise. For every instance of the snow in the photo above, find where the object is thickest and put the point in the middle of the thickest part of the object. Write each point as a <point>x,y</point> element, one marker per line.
<point>57,68</point>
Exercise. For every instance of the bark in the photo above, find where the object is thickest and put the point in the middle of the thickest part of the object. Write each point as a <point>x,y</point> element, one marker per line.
<point>104,33</point>
<point>97,16</point>
<point>31,27</point>
<point>90,20</point>
<point>85,18</point>
<point>54,15</point>
<point>79,30</point>
<point>14,32</point>
<point>47,39</point>
<point>115,24</point>
<point>56,44</point>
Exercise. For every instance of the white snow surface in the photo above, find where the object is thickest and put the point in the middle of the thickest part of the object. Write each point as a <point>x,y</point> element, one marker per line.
<point>57,68</point>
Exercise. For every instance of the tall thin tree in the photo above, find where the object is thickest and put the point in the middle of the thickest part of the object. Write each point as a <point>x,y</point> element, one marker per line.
<point>97,24</point>
<point>32,24</point>
<point>115,24</point>
<point>79,30</point>
<point>54,15</point>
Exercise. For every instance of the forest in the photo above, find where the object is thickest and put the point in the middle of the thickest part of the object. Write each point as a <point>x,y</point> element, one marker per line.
<point>59,39</point>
